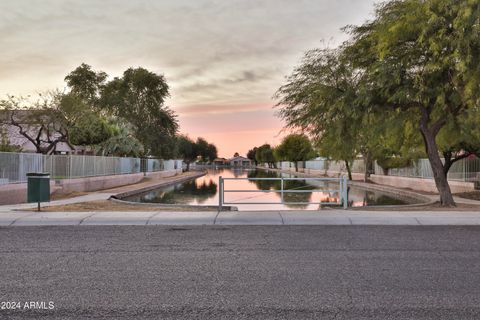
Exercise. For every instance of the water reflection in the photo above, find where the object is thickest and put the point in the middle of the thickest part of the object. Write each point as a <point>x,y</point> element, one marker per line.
<point>197,191</point>
<point>204,191</point>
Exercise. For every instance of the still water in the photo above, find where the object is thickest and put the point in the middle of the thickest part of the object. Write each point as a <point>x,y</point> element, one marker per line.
<point>204,191</point>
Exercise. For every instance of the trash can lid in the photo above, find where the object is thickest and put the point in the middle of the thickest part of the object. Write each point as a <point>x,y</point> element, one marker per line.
<point>38,174</point>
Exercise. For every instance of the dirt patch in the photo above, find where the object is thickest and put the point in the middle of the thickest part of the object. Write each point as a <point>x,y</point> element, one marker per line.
<point>107,205</point>
<point>61,196</point>
<point>473,195</point>
<point>433,207</point>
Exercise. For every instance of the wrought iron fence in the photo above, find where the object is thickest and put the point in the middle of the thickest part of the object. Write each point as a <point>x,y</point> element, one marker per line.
<point>467,169</point>
<point>15,166</point>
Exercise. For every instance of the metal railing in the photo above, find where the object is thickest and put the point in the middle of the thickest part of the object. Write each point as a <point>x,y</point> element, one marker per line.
<point>14,166</point>
<point>341,190</point>
<point>357,166</point>
<point>467,169</point>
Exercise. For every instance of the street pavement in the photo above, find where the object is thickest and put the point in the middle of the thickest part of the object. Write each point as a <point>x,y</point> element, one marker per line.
<point>242,272</point>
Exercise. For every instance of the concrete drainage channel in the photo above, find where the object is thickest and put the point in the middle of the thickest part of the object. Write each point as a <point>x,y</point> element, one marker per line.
<point>424,200</point>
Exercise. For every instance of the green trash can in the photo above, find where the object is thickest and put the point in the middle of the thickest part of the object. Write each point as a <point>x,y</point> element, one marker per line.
<point>38,187</point>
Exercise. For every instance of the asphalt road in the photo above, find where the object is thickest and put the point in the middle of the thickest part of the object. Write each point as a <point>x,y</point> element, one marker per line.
<point>268,272</point>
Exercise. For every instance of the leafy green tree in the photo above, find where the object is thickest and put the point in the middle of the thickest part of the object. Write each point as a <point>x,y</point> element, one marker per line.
<point>211,152</point>
<point>264,154</point>
<point>139,98</point>
<point>423,58</point>
<point>251,155</point>
<point>86,83</point>
<point>294,148</point>
<point>202,148</point>
<point>122,143</point>
<point>87,126</point>
<point>90,130</point>
<point>86,86</point>
<point>187,149</point>
<point>320,98</point>
<point>460,138</point>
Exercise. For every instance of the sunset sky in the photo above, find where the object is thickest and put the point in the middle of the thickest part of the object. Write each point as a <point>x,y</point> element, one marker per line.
<point>223,59</point>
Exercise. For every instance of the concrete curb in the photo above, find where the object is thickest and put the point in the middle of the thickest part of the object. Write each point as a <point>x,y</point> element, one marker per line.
<point>176,206</point>
<point>329,217</point>
<point>125,194</point>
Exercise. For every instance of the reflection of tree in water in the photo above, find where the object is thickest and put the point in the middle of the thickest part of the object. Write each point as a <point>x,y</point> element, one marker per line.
<point>383,200</point>
<point>368,198</point>
<point>297,196</point>
<point>238,172</point>
<point>264,184</point>
<point>373,198</point>
<point>189,191</point>
<point>287,185</point>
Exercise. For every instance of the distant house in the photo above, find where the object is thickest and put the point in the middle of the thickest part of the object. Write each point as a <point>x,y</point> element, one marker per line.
<point>220,162</point>
<point>239,162</point>
<point>14,137</point>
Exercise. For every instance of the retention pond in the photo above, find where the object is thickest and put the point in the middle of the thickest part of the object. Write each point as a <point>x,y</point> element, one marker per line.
<point>205,191</point>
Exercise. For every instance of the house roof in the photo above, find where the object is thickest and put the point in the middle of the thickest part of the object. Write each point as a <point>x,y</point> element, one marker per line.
<point>239,158</point>
<point>15,138</point>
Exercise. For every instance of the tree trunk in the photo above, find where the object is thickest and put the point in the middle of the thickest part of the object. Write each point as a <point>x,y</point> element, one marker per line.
<point>188,165</point>
<point>368,166</point>
<point>347,165</point>
<point>450,159</point>
<point>296,166</point>
<point>446,198</point>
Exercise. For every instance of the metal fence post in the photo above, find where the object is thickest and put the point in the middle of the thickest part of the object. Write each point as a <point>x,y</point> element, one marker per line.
<point>340,191</point>
<point>220,193</point>
<point>281,183</point>
<point>68,164</point>
<point>83,166</point>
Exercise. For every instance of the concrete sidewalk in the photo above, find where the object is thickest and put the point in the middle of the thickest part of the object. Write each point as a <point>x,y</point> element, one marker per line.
<point>327,217</point>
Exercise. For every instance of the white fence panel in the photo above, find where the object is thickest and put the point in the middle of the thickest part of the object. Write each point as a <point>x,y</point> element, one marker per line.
<point>15,166</point>
<point>467,169</point>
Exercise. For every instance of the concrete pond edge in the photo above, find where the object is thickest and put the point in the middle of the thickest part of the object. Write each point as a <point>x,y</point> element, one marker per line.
<point>118,198</point>
<point>401,194</point>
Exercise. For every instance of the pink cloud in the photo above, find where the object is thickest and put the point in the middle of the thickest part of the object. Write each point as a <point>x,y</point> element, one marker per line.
<point>238,130</point>
<point>193,110</point>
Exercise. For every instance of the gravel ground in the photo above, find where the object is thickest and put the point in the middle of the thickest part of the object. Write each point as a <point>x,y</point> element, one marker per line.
<point>108,205</point>
<point>474,195</point>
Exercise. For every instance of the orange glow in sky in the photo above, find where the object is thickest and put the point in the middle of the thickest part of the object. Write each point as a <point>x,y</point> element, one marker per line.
<point>223,60</point>
<point>233,129</point>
